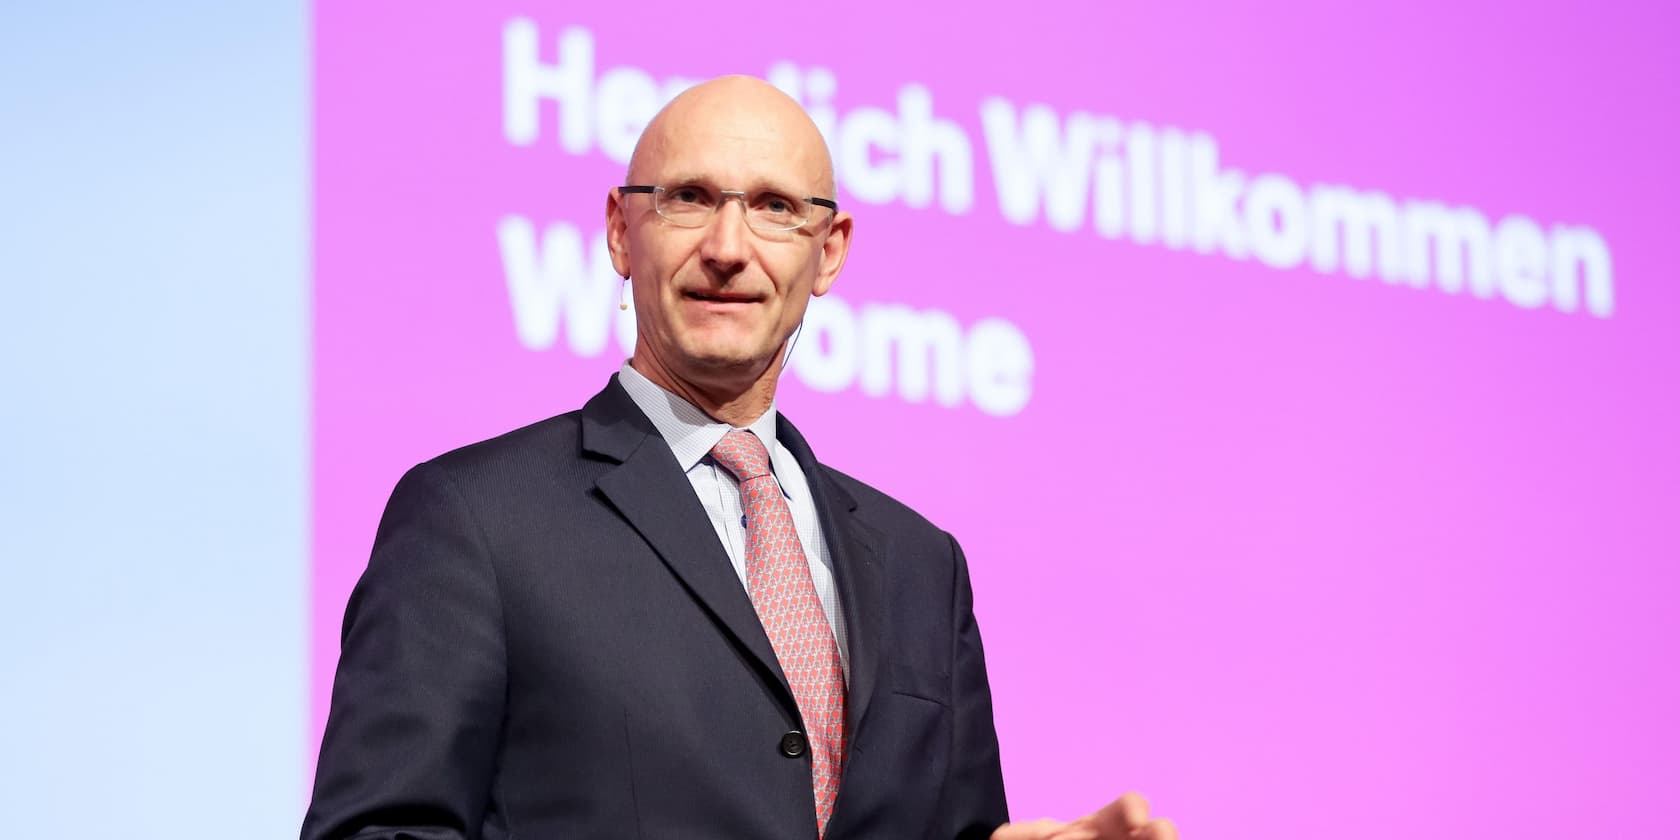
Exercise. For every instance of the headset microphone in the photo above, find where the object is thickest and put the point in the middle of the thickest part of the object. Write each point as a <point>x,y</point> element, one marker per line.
<point>791,342</point>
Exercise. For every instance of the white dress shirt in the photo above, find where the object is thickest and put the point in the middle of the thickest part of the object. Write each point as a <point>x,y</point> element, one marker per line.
<point>691,434</point>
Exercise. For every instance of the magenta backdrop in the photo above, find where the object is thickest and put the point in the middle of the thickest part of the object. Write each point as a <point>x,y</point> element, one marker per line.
<point>1297,553</point>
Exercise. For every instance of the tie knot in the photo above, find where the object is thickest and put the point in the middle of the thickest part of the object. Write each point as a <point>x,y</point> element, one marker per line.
<point>743,454</point>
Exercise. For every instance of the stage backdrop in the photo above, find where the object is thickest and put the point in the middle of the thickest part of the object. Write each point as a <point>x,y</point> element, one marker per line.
<point>1300,381</point>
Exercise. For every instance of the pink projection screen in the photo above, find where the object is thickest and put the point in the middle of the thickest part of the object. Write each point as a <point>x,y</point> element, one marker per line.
<point>1300,383</point>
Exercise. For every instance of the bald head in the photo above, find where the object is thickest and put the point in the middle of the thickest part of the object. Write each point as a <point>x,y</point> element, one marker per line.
<point>737,114</point>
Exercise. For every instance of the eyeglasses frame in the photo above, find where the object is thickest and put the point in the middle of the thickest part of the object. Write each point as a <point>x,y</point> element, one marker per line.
<point>726,195</point>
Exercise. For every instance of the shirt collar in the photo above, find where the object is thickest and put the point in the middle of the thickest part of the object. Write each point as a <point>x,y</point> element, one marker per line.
<point>689,432</point>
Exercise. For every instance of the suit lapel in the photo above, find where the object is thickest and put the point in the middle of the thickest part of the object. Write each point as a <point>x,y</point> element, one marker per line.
<point>857,571</point>
<point>649,490</point>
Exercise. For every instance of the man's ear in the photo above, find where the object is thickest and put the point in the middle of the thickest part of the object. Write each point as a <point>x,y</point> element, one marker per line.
<point>618,231</point>
<point>834,247</point>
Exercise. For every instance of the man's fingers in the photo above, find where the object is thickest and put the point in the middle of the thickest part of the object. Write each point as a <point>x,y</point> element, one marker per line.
<point>1123,816</point>
<point>1075,831</point>
<point>1036,830</point>
<point>1126,818</point>
<point>1134,809</point>
<point>1161,829</point>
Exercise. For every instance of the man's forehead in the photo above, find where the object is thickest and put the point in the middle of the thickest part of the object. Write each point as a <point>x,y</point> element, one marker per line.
<point>738,133</point>
<point>735,162</point>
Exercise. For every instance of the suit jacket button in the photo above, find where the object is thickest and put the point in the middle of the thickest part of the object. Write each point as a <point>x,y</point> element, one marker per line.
<point>793,744</point>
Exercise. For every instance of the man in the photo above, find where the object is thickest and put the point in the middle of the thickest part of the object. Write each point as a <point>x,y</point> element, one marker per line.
<point>661,616</point>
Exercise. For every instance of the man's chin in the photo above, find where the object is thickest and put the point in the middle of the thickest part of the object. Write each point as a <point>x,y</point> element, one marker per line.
<point>732,361</point>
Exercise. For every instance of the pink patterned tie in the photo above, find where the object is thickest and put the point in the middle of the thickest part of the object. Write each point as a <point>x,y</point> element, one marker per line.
<point>779,583</point>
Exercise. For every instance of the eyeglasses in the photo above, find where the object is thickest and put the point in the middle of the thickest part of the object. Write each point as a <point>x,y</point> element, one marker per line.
<point>694,205</point>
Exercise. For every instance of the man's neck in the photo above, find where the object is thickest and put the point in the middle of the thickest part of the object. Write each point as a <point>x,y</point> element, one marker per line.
<point>736,403</point>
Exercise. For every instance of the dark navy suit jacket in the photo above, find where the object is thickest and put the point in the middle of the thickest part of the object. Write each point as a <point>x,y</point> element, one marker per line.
<point>550,642</point>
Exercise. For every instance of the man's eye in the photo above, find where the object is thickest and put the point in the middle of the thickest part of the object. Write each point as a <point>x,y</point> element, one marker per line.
<point>687,195</point>
<point>776,204</point>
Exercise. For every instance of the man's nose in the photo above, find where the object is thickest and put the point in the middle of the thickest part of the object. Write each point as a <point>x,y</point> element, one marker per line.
<point>726,237</point>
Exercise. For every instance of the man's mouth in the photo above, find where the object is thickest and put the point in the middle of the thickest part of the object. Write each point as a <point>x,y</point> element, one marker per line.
<point>720,297</point>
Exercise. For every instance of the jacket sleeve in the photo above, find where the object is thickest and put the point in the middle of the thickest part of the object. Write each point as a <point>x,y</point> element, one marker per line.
<point>417,703</point>
<point>973,798</point>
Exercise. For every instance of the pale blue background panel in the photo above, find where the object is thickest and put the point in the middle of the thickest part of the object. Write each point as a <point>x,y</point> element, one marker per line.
<point>153,358</point>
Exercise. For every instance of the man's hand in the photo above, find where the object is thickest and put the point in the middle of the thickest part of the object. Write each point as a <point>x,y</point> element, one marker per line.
<point>1126,818</point>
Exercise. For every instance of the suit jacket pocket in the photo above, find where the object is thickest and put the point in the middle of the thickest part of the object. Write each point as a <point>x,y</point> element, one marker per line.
<point>897,770</point>
<point>927,685</point>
